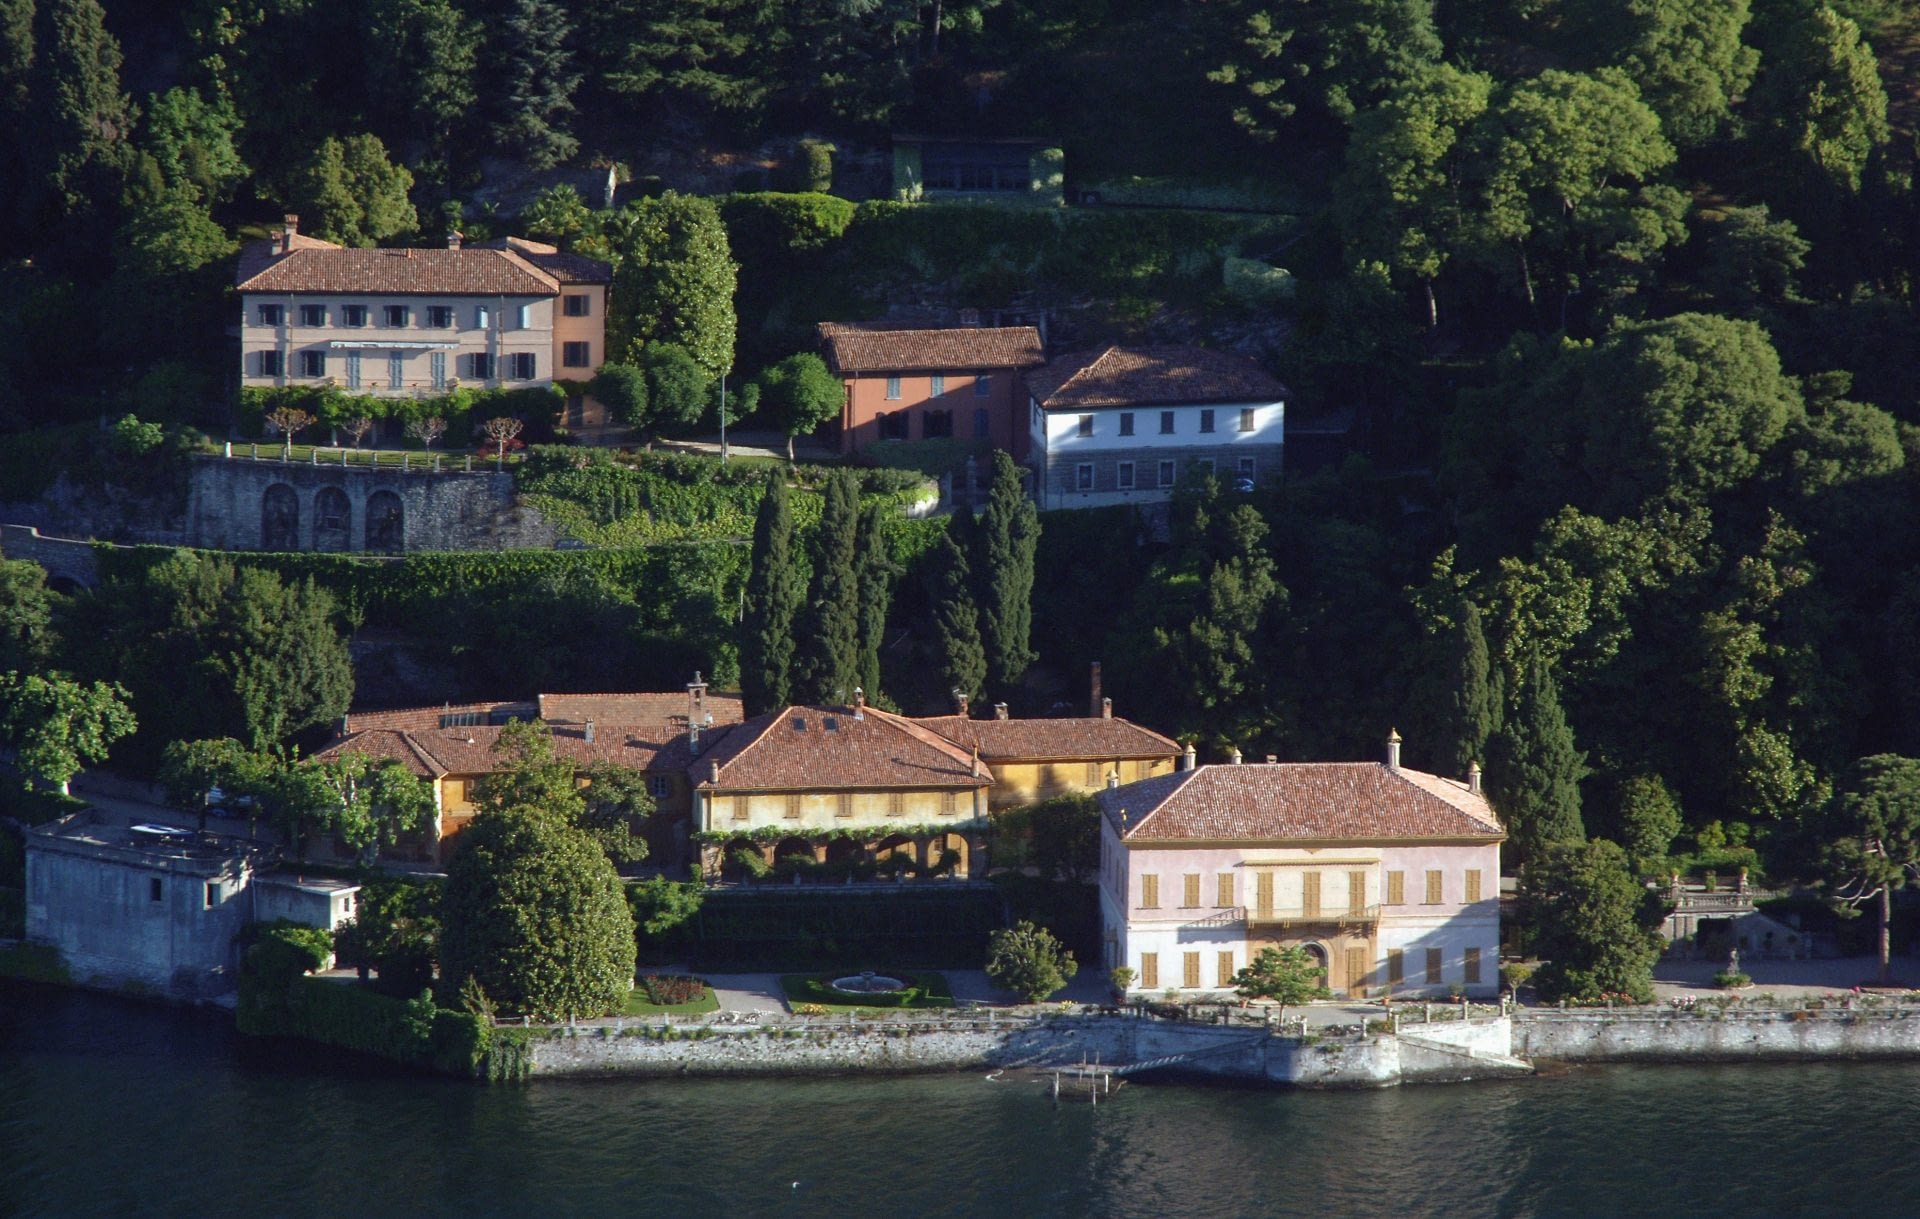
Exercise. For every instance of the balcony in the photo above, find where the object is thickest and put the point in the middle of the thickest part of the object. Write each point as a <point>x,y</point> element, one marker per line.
<point>1283,918</point>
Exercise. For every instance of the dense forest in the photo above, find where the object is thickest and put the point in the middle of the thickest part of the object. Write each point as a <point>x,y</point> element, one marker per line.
<point>1617,296</point>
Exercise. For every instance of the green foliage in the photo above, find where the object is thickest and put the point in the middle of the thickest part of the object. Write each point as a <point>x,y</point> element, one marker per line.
<point>1649,820</point>
<point>1754,260</point>
<point>622,389</point>
<point>77,121</point>
<point>189,770</point>
<point>876,579</point>
<point>1330,59</point>
<point>558,214</point>
<point>1028,961</point>
<point>1818,101</point>
<point>1584,909</point>
<point>364,802</point>
<point>26,616</point>
<point>534,77</point>
<point>57,725</point>
<point>1062,835</point>
<point>1288,976</point>
<point>529,776</point>
<point>801,394</point>
<point>827,666</point>
<point>424,54</point>
<point>679,391</point>
<point>923,990</point>
<point>673,280</point>
<point>1462,693</point>
<point>1685,55</point>
<point>814,173</point>
<point>1534,771</point>
<point>192,141</point>
<point>535,911</point>
<point>1002,566</point>
<point>663,911</point>
<point>960,654</point>
<point>350,193</point>
<point>1872,835</point>
<point>774,595</point>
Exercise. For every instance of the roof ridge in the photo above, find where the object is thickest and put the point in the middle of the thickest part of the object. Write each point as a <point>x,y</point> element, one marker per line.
<point>1084,369</point>
<point>925,735</point>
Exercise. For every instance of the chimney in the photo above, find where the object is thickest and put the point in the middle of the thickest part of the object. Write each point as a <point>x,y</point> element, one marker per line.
<point>960,701</point>
<point>693,737</point>
<point>1393,749</point>
<point>1093,680</point>
<point>1187,758</point>
<point>1273,759</point>
<point>713,773</point>
<point>1106,708</point>
<point>859,703</point>
<point>1113,779</point>
<point>696,698</point>
<point>999,711</point>
<point>453,239</point>
<point>1234,757</point>
<point>976,759</point>
<point>290,229</point>
<point>589,732</point>
<point>1473,777</point>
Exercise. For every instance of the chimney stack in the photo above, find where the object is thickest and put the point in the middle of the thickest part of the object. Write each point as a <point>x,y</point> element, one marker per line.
<point>1272,759</point>
<point>999,711</point>
<point>1393,749</point>
<point>1106,708</point>
<point>1234,757</point>
<point>693,737</point>
<point>589,732</point>
<point>453,239</point>
<point>859,703</point>
<point>1093,697</point>
<point>1473,777</point>
<point>960,702</point>
<point>713,773</point>
<point>290,226</point>
<point>1187,758</point>
<point>1113,779</point>
<point>696,698</point>
<point>976,759</point>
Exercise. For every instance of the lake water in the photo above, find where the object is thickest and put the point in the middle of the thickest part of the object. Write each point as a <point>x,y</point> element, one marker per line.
<point>115,1108</point>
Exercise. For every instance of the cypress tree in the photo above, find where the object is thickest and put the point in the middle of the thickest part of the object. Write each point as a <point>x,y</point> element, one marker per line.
<point>1468,712</point>
<point>829,666</point>
<point>78,120</point>
<point>956,618</point>
<point>536,80</point>
<point>774,594</point>
<point>877,573</point>
<point>1003,554</point>
<point>1534,773</point>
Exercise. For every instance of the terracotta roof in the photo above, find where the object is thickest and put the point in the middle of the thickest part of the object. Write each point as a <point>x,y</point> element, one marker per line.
<point>811,748</point>
<point>1091,738</point>
<point>1150,376</point>
<point>1311,800</point>
<point>470,751</point>
<point>430,717</point>
<point>877,347</point>
<point>324,268</point>
<point>257,256</point>
<point>638,710</point>
<point>565,267</point>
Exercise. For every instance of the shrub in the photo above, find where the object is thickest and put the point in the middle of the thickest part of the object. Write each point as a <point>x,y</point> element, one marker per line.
<point>1028,961</point>
<point>1730,979</point>
<point>923,990</point>
<point>671,990</point>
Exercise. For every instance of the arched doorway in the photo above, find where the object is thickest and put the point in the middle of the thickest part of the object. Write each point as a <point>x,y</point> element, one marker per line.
<point>332,520</point>
<point>844,855</point>
<point>895,854</point>
<point>790,853</point>
<point>731,851</point>
<point>386,523</point>
<point>280,518</point>
<point>947,856</point>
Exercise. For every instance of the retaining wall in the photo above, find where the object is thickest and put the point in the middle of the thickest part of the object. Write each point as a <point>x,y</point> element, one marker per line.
<point>1716,1037</point>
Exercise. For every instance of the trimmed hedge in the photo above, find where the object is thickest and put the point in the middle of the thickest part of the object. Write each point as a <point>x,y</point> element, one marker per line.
<point>923,990</point>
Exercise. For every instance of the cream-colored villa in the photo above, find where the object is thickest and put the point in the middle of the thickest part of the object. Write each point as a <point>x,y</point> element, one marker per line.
<point>509,313</point>
<point>1388,877</point>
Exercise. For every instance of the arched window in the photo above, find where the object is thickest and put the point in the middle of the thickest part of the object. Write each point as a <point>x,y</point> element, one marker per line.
<point>280,519</point>
<point>332,520</point>
<point>386,523</point>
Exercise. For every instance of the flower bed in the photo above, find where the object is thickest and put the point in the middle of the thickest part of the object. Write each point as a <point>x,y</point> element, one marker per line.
<point>675,993</point>
<point>923,990</point>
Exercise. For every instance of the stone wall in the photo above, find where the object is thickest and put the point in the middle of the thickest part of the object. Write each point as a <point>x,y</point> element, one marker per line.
<point>69,564</point>
<point>239,503</point>
<point>1701,1036</point>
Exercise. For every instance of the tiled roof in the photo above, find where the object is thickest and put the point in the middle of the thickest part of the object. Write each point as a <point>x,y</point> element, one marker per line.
<point>1091,738</point>
<point>1317,801</point>
<point>1150,376</point>
<point>430,717</point>
<point>565,267</point>
<point>329,269</point>
<point>814,748</point>
<point>638,710</point>
<point>882,348</point>
<point>470,751</point>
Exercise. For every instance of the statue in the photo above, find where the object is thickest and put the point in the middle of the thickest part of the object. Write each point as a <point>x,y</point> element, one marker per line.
<point>1733,961</point>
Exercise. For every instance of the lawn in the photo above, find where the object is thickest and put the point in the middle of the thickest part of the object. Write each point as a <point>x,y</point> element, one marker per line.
<point>923,990</point>
<point>641,1002</point>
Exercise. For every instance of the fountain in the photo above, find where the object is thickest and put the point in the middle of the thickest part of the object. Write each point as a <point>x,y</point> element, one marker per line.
<point>867,982</point>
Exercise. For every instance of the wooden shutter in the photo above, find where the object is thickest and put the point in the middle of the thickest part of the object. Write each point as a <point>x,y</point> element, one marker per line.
<point>1190,890</point>
<point>896,804</point>
<point>1150,970</point>
<point>1357,970</point>
<point>843,805</point>
<point>739,808</point>
<point>1396,888</point>
<point>1473,965</point>
<point>1225,884</point>
<point>1396,968</point>
<point>1226,969</point>
<point>949,803</point>
<point>1434,888</point>
<point>1191,971</point>
<point>1433,966</point>
<point>793,806</point>
<point>1093,774</point>
<point>1263,893</point>
<point>1310,894</point>
<point>1356,893</point>
<point>1473,885</point>
<point>1149,891</point>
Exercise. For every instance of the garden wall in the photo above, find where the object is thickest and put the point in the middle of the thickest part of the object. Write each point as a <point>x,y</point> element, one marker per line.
<point>1701,1036</point>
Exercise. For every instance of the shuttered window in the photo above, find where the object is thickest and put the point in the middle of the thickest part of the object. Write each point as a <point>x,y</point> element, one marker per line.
<point>1149,891</point>
<point>1190,971</point>
<point>1434,887</point>
<point>1263,894</point>
<point>1310,894</point>
<point>843,805</point>
<point>1190,890</point>
<point>1356,893</point>
<point>739,807</point>
<point>1473,965</point>
<point>1149,970</point>
<point>1473,885</point>
<point>1226,970</point>
<point>1433,967</point>
<point>1225,884</point>
<point>1093,774</point>
<point>896,804</point>
<point>1396,888</point>
<point>949,803</point>
<point>793,806</point>
<point>1396,971</point>
<point>1356,969</point>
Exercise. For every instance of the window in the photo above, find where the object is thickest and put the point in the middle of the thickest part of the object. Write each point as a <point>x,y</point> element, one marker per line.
<point>153,888</point>
<point>1201,465</point>
<point>520,366</point>
<point>1149,891</point>
<point>660,787</point>
<point>1396,967</point>
<point>793,806</point>
<point>576,355</point>
<point>1166,423</point>
<point>272,364</point>
<point>1126,423</point>
<point>936,424</point>
<point>523,318</point>
<point>1224,883</point>
<point>1190,970</point>
<point>949,803</point>
<point>893,387</point>
<point>353,370</point>
<point>1433,967</point>
<point>1149,968</point>
<point>893,425</point>
<point>1263,894</point>
<point>213,895</point>
<point>981,429</point>
<point>1356,893</point>
<point>313,363</point>
<point>982,385</point>
<point>353,315</point>
<point>1434,887</point>
<point>938,385</point>
<point>482,317</point>
<point>1083,476</point>
<point>437,363</point>
<point>1206,420</point>
<point>1472,965</point>
<point>1224,976</point>
<point>396,370</point>
<point>1473,885</point>
<point>739,807</point>
<point>576,304</point>
<point>1396,888</point>
<point>896,804</point>
<point>393,315</point>
<point>313,315</point>
<point>1086,425</point>
<point>1093,774</point>
<point>270,315</point>
<point>1243,468</point>
<point>1125,476</point>
<point>1190,891</point>
<point>843,805</point>
<point>440,317</point>
<point>1246,419</point>
<point>1310,894</point>
<point>1166,473</point>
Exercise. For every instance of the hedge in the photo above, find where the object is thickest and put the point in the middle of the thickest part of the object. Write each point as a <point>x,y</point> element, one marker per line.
<point>923,990</point>
<point>332,406</point>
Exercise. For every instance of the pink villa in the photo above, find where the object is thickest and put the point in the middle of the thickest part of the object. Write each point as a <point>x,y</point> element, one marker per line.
<point>1388,877</point>
<point>905,383</point>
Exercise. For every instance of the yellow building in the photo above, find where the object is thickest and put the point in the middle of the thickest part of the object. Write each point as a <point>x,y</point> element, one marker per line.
<point>1038,759</point>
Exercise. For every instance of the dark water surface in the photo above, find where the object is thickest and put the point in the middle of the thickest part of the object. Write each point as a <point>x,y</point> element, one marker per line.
<point>113,1108</point>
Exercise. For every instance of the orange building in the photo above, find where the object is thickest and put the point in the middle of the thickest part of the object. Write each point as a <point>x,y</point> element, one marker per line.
<point>903,383</point>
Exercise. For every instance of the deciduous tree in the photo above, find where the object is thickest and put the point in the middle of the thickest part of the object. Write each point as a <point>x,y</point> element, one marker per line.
<point>349,192</point>
<point>1649,820</point>
<point>1029,961</point>
<point>1287,976</point>
<point>1585,912</point>
<point>801,394</point>
<point>673,279</point>
<point>57,725</point>
<point>1873,838</point>
<point>26,615</point>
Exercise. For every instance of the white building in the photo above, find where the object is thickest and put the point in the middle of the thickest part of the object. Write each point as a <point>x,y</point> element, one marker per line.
<point>1389,877</point>
<point>1124,425</point>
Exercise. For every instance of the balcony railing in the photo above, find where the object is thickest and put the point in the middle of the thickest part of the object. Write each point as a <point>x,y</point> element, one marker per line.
<point>1283,917</point>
